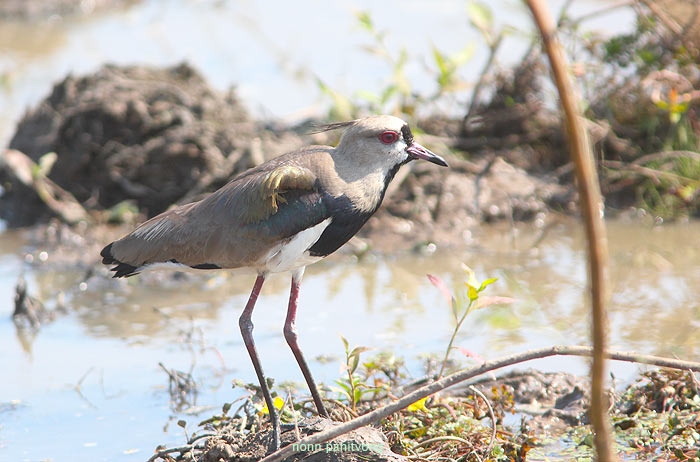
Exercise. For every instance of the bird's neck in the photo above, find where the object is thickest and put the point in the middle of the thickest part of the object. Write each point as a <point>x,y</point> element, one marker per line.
<point>364,183</point>
<point>367,192</point>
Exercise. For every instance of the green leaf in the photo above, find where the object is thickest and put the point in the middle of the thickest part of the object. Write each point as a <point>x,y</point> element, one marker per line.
<point>388,93</point>
<point>480,16</point>
<point>358,395</point>
<point>357,351</point>
<point>440,60</point>
<point>682,107</point>
<point>472,292</point>
<point>588,441</point>
<point>464,55</point>
<point>369,96</point>
<point>365,20</point>
<point>687,192</point>
<point>403,59</point>
<point>353,362</point>
<point>226,408</point>
<point>345,343</point>
<point>345,387</point>
<point>662,105</point>
<point>343,108</point>
<point>403,86</point>
<point>487,283</point>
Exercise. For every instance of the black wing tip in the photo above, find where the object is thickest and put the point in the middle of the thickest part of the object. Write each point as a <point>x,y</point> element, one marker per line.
<point>106,254</point>
<point>122,270</point>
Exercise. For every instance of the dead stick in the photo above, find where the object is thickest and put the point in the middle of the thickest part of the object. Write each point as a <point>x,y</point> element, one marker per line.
<point>591,208</point>
<point>467,374</point>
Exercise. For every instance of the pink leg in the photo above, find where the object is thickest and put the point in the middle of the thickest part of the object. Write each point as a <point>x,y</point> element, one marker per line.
<point>246,325</point>
<point>290,334</point>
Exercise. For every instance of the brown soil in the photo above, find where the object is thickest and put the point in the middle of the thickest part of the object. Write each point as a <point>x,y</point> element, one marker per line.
<point>551,408</point>
<point>151,136</point>
<point>366,443</point>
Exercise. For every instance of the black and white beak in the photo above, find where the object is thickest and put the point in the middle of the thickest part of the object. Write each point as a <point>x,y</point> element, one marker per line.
<point>417,151</point>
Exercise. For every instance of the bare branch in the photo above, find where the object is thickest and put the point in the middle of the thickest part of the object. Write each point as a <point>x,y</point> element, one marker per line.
<point>467,374</point>
<point>591,208</point>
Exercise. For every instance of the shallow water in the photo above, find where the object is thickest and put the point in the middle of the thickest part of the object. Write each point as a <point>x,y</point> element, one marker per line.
<point>89,385</point>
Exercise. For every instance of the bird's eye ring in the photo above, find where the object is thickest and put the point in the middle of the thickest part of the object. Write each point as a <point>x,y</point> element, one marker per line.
<point>388,137</point>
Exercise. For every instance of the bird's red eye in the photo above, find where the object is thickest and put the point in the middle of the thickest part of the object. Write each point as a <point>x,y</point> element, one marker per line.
<point>388,137</point>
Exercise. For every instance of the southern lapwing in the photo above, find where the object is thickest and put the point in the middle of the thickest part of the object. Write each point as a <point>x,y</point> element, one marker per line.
<point>280,216</point>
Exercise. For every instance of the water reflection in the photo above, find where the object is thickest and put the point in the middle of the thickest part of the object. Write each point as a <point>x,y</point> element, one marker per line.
<point>654,304</point>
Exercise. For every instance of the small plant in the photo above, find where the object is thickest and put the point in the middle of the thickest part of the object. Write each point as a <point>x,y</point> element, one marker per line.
<point>385,370</point>
<point>448,428</point>
<point>354,387</point>
<point>464,302</point>
<point>398,96</point>
<point>652,103</point>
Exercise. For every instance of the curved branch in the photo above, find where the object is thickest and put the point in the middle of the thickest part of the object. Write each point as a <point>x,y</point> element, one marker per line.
<point>492,415</point>
<point>467,374</point>
<point>665,155</point>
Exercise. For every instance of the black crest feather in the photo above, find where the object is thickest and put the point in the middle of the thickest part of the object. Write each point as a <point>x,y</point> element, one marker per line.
<point>320,128</point>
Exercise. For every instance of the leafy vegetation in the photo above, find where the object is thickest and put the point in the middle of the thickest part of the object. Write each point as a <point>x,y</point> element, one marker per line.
<point>641,91</point>
<point>354,387</point>
<point>397,97</point>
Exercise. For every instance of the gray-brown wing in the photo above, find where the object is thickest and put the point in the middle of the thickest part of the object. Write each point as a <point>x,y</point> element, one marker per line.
<point>234,227</point>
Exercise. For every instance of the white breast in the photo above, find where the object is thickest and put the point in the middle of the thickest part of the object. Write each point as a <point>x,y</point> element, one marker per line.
<point>295,253</point>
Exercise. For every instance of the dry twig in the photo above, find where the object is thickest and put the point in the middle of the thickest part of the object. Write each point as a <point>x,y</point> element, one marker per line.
<point>467,374</point>
<point>492,415</point>
<point>591,209</point>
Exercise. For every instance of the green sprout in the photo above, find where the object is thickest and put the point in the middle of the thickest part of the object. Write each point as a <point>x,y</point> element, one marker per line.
<point>464,302</point>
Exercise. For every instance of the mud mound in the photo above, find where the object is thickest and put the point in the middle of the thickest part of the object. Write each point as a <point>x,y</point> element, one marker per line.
<point>230,443</point>
<point>152,136</point>
<point>443,206</point>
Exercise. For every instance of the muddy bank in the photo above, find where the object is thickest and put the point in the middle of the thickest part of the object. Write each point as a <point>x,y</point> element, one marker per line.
<point>149,136</point>
<point>469,423</point>
<point>141,139</point>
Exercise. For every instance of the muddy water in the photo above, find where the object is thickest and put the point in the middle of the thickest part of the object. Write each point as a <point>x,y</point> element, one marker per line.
<point>89,385</point>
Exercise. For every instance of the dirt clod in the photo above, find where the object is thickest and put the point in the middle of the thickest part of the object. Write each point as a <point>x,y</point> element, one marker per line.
<point>230,444</point>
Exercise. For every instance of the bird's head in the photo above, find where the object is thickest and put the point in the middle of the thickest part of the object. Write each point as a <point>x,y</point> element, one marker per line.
<point>380,142</point>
